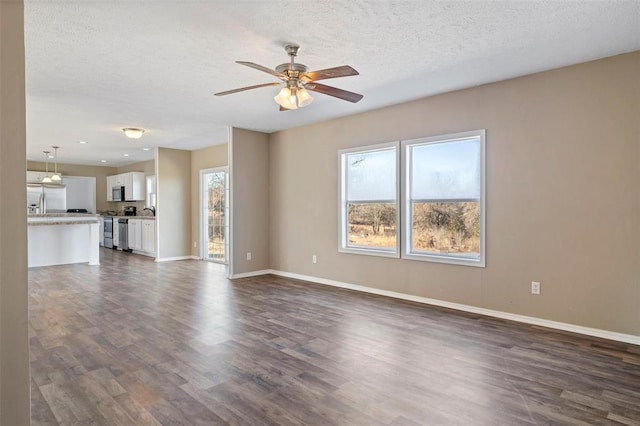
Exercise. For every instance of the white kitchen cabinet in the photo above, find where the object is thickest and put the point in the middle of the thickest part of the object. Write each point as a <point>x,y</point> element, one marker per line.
<point>133,182</point>
<point>149,236</point>
<point>135,234</point>
<point>36,177</point>
<point>110,185</point>
<point>101,231</point>
<point>116,233</point>
<point>117,180</point>
<point>135,186</point>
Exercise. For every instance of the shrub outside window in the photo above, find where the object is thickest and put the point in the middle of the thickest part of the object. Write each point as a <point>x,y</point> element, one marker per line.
<point>443,198</point>
<point>369,214</point>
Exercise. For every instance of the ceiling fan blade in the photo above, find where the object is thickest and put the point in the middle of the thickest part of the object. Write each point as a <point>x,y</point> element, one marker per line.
<point>341,71</point>
<point>334,91</point>
<point>263,69</point>
<point>242,89</point>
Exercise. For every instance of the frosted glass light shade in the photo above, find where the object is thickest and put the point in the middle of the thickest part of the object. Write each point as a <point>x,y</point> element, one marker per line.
<point>133,133</point>
<point>292,98</point>
<point>286,99</point>
<point>304,98</point>
<point>56,177</point>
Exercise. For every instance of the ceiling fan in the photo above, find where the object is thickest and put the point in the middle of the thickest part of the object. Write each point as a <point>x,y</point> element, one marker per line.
<point>297,82</point>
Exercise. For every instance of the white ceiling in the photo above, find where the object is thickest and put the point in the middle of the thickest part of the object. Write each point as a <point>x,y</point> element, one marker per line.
<point>94,67</point>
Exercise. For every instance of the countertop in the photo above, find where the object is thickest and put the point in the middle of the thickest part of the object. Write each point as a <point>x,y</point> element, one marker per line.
<point>130,217</point>
<point>48,219</point>
<point>87,215</point>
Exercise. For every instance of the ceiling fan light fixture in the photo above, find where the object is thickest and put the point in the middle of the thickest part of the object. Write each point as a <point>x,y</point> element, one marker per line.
<point>286,99</point>
<point>304,98</point>
<point>133,133</point>
<point>293,98</point>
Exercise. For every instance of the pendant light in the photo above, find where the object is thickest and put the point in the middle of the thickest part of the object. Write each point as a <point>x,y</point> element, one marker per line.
<point>46,179</point>
<point>56,177</point>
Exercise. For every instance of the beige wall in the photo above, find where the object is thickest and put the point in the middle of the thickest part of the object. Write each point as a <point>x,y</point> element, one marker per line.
<point>14,348</point>
<point>563,195</point>
<point>173,192</point>
<point>206,158</point>
<point>249,172</point>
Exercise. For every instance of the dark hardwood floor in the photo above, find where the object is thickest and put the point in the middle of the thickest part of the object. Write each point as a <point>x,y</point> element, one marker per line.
<point>137,342</point>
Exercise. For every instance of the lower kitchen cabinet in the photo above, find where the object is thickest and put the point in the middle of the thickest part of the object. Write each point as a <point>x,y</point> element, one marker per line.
<point>142,235</point>
<point>134,234</point>
<point>149,236</point>
<point>116,233</point>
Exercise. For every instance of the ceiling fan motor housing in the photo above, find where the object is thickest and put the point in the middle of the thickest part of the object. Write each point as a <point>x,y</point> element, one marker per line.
<point>291,70</point>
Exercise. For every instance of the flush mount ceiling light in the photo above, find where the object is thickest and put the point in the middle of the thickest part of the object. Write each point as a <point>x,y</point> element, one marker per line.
<point>133,133</point>
<point>297,82</point>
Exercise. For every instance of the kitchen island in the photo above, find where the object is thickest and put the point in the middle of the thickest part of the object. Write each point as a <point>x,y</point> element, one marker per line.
<point>63,238</point>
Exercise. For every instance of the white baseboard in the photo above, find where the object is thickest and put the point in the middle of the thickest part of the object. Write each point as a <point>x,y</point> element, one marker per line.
<point>251,274</point>
<point>171,259</point>
<point>588,331</point>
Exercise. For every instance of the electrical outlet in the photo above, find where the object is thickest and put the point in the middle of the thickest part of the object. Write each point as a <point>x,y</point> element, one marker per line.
<point>314,258</point>
<point>248,255</point>
<point>535,287</point>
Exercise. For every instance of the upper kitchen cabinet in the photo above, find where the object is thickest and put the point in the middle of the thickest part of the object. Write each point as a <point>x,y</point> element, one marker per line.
<point>36,177</point>
<point>133,184</point>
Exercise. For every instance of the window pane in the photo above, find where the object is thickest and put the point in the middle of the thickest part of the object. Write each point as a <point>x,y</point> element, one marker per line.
<point>451,228</point>
<point>371,176</point>
<point>446,171</point>
<point>372,225</point>
<point>443,199</point>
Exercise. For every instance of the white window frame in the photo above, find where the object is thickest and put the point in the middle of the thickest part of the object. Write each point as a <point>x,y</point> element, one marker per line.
<point>343,234</point>
<point>405,201</point>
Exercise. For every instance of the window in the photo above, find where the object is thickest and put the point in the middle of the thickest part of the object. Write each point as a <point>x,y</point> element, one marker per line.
<point>443,199</point>
<point>214,214</point>
<point>369,212</point>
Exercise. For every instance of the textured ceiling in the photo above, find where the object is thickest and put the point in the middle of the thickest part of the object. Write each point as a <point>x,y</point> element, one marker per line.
<point>94,67</point>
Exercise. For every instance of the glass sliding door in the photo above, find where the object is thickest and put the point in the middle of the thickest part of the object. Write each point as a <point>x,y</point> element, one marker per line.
<point>214,214</point>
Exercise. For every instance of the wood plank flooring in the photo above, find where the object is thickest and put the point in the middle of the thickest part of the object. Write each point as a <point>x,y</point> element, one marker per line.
<point>133,342</point>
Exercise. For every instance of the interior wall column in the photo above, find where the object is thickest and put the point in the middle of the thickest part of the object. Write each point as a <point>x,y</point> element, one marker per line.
<point>14,344</point>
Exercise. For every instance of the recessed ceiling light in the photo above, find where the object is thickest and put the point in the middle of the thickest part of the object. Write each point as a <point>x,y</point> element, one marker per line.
<point>146,149</point>
<point>103,161</point>
<point>83,142</point>
<point>126,155</point>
